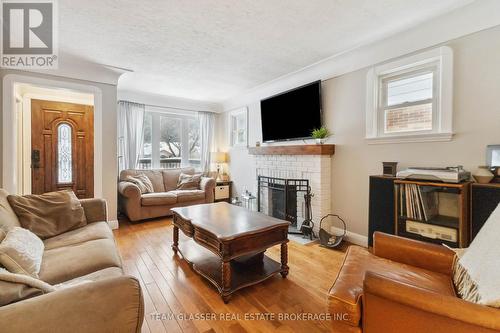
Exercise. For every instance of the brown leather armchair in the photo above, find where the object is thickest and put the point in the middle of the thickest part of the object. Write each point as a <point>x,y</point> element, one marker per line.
<point>403,286</point>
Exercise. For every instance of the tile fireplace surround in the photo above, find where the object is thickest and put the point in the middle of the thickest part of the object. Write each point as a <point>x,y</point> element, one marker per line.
<point>315,168</point>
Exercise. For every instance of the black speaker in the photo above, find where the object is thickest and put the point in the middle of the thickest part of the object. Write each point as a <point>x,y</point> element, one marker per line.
<point>381,206</point>
<point>484,199</point>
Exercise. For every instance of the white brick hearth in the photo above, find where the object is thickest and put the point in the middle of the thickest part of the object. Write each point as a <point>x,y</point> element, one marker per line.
<point>315,168</point>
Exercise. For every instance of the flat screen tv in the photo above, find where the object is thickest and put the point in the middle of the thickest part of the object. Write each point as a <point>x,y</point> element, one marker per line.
<point>291,115</point>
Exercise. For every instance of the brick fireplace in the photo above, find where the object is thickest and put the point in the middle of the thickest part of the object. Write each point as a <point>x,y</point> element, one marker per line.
<point>312,164</point>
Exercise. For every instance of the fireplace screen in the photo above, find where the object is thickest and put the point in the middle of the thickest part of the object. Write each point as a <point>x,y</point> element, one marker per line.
<point>284,199</point>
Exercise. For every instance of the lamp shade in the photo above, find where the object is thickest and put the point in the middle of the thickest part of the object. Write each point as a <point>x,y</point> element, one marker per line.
<point>219,157</point>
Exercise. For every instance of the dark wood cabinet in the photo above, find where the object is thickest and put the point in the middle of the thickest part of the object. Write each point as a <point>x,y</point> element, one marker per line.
<point>476,203</point>
<point>381,206</point>
<point>449,221</point>
<point>484,199</point>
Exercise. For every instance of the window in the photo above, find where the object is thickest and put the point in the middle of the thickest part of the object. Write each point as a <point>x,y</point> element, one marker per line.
<point>194,141</point>
<point>407,102</point>
<point>410,100</point>
<point>169,140</point>
<point>238,125</point>
<point>64,154</point>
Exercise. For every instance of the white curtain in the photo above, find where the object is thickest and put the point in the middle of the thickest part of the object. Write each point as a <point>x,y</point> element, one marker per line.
<point>130,127</point>
<point>207,121</point>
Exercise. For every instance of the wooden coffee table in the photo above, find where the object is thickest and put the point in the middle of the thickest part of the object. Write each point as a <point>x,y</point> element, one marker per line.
<point>227,244</point>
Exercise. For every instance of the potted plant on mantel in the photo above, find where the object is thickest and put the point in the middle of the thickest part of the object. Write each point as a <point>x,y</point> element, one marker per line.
<point>320,134</point>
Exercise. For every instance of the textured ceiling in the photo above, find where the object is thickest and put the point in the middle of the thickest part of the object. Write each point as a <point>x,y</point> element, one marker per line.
<point>212,50</point>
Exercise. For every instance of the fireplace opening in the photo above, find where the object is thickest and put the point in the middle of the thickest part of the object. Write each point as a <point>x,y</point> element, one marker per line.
<point>284,199</point>
<point>283,202</point>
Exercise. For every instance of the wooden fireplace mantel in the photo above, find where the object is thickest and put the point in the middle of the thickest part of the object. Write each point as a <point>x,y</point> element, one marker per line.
<point>315,149</point>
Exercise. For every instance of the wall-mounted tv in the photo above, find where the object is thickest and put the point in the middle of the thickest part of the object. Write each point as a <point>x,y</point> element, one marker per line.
<point>291,115</point>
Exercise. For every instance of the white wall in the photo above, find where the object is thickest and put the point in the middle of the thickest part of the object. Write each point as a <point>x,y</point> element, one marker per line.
<point>476,124</point>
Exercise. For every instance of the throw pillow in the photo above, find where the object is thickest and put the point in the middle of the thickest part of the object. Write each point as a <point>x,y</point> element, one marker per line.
<point>49,214</point>
<point>142,181</point>
<point>189,182</point>
<point>476,273</point>
<point>21,252</point>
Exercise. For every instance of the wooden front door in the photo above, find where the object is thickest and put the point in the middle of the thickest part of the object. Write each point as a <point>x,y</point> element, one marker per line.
<point>62,147</point>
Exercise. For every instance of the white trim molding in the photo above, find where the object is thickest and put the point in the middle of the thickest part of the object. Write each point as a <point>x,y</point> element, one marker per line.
<point>352,237</point>
<point>442,59</point>
<point>357,239</point>
<point>113,224</point>
<point>10,162</point>
<point>76,68</point>
<point>430,137</point>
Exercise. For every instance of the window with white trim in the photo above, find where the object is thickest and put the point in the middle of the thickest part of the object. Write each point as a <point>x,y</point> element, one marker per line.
<point>410,99</point>
<point>170,140</point>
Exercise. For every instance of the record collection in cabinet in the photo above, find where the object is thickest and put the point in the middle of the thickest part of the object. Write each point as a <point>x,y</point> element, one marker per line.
<point>432,211</point>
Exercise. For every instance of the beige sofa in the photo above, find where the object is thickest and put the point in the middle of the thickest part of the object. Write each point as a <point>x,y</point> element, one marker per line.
<point>109,302</point>
<point>139,206</point>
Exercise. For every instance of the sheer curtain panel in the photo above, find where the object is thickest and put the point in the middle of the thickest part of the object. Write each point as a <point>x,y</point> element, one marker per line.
<point>130,132</point>
<point>207,121</point>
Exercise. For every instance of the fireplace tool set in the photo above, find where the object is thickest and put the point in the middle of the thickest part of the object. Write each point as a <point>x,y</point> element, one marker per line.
<point>307,226</point>
<point>326,238</point>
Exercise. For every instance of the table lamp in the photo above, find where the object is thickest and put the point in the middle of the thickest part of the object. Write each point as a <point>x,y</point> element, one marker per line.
<point>219,158</point>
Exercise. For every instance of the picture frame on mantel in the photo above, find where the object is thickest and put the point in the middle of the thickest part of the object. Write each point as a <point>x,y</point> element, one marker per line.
<point>238,127</point>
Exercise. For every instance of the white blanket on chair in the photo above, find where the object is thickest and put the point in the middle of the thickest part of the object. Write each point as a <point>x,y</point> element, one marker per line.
<point>30,281</point>
<point>477,271</point>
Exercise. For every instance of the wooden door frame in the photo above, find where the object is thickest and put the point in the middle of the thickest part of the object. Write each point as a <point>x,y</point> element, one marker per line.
<point>10,167</point>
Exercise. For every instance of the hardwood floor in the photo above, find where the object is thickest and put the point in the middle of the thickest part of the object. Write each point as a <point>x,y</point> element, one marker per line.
<point>176,294</point>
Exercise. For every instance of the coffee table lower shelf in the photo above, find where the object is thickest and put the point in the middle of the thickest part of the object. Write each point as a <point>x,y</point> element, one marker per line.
<point>245,271</point>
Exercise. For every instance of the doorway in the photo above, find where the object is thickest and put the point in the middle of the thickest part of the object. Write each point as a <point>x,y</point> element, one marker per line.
<point>65,100</point>
<point>62,147</point>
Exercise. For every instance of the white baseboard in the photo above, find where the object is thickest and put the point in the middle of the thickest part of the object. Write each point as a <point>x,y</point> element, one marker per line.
<point>353,237</point>
<point>357,239</point>
<point>113,224</point>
